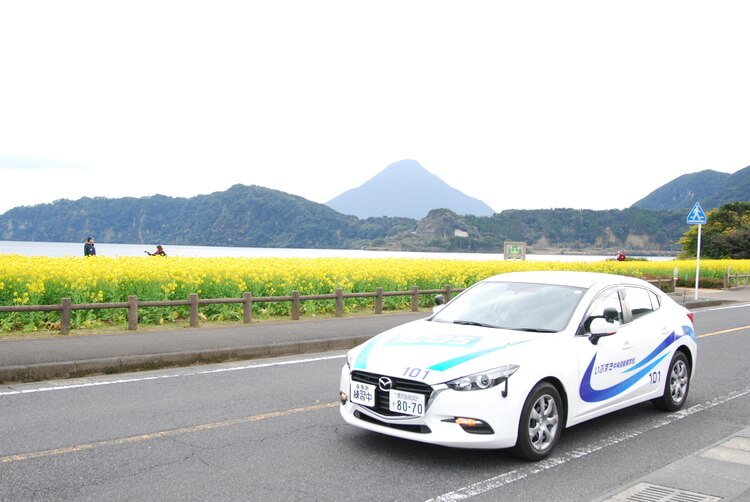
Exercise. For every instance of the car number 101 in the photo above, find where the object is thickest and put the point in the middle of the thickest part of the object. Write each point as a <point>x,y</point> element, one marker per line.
<point>407,403</point>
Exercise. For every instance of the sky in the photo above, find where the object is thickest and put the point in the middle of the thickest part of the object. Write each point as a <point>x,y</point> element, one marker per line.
<point>523,105</point>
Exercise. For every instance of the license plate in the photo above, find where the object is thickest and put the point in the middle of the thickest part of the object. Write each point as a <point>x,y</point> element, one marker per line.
<point>407,403</point>
<point>362,393</point>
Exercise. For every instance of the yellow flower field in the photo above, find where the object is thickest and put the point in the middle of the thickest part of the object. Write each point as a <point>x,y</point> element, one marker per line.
<point>44,281</point>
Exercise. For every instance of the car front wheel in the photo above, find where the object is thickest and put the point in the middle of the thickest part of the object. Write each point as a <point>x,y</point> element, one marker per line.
<point>677,386</point>
<point>541,424</point>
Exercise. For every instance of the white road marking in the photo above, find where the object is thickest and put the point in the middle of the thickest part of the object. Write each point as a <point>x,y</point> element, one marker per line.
<point>558,460</point>
<point>99,383</point>
<point>726,307</point>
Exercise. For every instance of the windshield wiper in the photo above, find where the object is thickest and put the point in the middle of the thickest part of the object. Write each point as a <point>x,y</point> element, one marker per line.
<point>536,330</point>
<point>474,323</point>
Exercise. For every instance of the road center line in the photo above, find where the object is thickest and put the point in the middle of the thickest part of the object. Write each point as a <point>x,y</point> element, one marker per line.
<point>162,434</point>
<point>558,460</point>
<point>723,331</point>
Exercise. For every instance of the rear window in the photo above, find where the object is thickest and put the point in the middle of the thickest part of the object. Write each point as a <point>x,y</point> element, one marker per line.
<point>640,301</point>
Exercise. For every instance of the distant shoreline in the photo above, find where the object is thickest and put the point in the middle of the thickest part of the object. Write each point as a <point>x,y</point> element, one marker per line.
<point>613,252</point>
<point>61,249</point>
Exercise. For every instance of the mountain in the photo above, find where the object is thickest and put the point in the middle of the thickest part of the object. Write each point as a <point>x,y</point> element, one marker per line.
<point>711,188</point>
<point>248,216</point>
<point>253,216</point>
<point>406,189</point>
<point>735,189</point>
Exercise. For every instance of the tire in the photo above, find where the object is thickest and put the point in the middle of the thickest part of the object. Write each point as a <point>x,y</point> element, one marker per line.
<point>677,385</point>
<point>541,423</point>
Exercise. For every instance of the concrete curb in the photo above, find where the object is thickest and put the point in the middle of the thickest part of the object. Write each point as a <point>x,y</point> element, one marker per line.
<point>122,364</point>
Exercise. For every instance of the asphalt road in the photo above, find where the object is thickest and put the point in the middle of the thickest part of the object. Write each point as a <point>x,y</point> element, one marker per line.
<point>270,430</point>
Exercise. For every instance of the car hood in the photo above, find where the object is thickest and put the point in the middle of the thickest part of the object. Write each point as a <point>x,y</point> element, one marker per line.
<point>435,352</point>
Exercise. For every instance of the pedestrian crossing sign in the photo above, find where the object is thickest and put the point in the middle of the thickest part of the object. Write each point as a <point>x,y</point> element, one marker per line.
<point>696,216</point>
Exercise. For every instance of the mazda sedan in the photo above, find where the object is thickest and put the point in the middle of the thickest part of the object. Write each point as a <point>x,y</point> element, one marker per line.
<point>516,358</point>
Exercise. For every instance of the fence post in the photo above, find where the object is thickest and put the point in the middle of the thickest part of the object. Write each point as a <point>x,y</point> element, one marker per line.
<point>132,312</point>
<point>726,279</point>
<point>65,311</point>
<point>414,299</point>
<point>674,284</point>
<point>378,300</point>
<point>247,308</point>
<point>295,305</point>
<point>193,310</point>
<point>448,290</point>
<point>339,303</point>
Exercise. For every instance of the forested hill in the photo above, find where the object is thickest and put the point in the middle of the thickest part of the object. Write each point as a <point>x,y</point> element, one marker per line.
<point>249,216</point>
<point>712,189</point>
<point>252,216</point>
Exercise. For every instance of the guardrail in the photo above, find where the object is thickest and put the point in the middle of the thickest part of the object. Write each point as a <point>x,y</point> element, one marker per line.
<point>733,280</point>
<point>66,307</point>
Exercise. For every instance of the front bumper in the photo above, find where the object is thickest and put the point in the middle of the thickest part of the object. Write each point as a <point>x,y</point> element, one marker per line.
<point>497,415</point>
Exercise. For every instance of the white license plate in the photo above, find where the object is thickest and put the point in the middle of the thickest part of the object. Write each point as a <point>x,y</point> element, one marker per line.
<point>407,403</point>
<point>362,393</point>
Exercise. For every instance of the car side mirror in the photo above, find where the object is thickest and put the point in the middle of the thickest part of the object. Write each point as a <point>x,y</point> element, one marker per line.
<point>611,314</point>
<point>600,327</point>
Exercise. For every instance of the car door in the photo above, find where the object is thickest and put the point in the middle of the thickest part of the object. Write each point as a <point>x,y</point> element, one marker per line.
<point>652,336</point>
<point>611,373</point>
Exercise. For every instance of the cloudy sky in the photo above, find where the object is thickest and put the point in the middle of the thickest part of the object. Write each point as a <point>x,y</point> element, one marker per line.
<point>539,104</point>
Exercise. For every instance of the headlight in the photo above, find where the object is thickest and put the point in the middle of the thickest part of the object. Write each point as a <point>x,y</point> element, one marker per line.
<point>484,380</point>
<point>349,360</point>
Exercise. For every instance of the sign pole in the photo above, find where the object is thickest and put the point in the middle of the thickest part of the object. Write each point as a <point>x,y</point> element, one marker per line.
<point>698,262</point>
<point>697,217</point>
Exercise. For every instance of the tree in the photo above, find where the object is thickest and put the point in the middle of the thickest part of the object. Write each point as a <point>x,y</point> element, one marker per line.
<point>726,233</point>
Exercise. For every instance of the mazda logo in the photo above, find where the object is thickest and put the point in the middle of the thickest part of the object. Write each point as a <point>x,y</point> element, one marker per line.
<point>385,384</point>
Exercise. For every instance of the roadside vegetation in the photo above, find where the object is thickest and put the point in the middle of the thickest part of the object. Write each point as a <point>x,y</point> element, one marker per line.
<point>45,281</point>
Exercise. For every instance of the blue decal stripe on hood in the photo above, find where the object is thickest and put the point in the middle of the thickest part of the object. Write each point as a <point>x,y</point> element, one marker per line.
<point>361,362</point>
<point>450,363</point>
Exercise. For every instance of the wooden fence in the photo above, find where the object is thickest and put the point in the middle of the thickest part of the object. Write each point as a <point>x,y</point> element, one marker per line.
<point>733,280</point>
<point>66,307</point>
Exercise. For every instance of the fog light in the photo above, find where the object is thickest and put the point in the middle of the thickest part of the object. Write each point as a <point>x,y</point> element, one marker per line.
<point>344,397</point>
<point>471,425</point>
<point>469,422</point>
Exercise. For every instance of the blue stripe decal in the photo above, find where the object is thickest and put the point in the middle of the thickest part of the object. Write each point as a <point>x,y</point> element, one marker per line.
<point>689,331</point>
<point>592,395</point>
<point>663,345</point>
<point>450,363</point>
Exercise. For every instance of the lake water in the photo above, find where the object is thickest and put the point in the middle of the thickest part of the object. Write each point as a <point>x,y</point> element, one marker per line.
<point>59,249</point>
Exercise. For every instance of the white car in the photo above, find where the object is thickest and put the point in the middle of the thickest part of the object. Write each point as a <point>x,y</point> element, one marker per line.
<point>516,358</point>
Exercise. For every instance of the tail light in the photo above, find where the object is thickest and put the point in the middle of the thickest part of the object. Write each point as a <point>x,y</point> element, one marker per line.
<point>690,316</point>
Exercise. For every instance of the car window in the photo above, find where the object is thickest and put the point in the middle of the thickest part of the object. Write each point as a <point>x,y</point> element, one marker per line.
<point>609,299</point>
<point>640,301</point>
<point>522,306</point>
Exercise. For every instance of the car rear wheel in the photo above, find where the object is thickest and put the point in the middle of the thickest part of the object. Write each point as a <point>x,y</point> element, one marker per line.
<point>541,424</point>
<point>677,386</point>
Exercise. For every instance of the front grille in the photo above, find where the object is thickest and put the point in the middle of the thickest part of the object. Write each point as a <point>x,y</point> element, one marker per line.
<point>417,429</point>
<point>382,399</point>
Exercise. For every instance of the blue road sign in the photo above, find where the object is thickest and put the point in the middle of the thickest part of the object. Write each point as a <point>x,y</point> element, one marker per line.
<point>696,216</point>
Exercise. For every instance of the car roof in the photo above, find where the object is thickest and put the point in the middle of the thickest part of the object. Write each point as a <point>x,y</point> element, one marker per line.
<point>567,278</point>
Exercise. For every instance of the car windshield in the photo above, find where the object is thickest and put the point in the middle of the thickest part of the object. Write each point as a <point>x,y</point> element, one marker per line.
<point>545,308</point>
